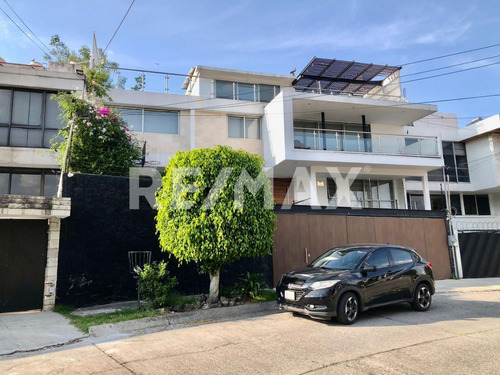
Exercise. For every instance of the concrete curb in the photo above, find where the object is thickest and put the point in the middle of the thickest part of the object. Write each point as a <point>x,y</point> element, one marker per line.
<point>173,319</point>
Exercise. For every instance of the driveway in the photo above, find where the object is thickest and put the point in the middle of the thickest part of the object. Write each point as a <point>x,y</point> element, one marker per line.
<point>23,332</point>
<point>459,335</point>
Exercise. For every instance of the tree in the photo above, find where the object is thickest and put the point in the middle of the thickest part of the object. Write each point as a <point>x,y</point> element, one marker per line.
<point>98,79</point>
<point>97,139</point>
<point>140,83</point>
<point>215,207</point>
<point>101,141</point>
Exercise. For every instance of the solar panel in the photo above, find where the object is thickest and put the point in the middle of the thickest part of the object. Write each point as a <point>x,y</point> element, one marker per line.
<point>342,77</point>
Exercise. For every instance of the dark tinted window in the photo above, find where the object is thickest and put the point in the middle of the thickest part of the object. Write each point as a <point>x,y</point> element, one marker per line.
<point>401,256</point>
<point>379,259</point>
<point>344,259</point>
<point>483,205</point>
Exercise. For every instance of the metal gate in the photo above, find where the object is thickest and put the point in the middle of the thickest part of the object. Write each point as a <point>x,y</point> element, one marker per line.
<point>480,253</point>
<point>23,256</point>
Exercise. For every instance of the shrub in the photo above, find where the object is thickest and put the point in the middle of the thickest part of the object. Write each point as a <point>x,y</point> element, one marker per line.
<point>155,284</point>
<point>252,285</point>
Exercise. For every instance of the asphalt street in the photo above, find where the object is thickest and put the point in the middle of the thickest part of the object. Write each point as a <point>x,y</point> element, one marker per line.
<point>459,335</point>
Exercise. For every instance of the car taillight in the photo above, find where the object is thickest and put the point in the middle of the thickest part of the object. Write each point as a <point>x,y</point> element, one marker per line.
<point>429,265</point>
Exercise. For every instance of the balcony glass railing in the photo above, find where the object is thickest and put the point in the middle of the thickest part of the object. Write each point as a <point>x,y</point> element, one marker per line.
<point>334,140</point>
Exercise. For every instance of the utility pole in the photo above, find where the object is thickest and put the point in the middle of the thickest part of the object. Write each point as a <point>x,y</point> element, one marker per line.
<point>453,234</point>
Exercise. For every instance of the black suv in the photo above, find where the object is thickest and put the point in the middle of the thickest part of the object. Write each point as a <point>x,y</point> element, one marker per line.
<point>348,279</point>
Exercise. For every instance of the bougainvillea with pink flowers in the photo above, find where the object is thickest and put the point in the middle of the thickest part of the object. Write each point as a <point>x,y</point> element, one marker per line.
<point>101,144</point>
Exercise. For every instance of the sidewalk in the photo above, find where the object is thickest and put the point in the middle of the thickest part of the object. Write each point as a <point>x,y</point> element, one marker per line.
<point>468,285</point>
<point>23,332</point>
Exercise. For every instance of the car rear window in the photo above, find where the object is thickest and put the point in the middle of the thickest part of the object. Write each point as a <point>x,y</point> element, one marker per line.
<point>401,256</point>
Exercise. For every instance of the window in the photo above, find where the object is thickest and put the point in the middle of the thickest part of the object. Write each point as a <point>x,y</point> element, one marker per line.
<point>401,256</point>
<point>28,118</point>
<point>455,164</point>
<point>368,193</point>
<point>477,205</point>
<point>243,127</point>
<point>149,121</point>
<point>28,182</point>
<point>438,202</point>
<point>224,90</point>
<point>161,122</point>
<point>245,91</point>
<point>379,259</point>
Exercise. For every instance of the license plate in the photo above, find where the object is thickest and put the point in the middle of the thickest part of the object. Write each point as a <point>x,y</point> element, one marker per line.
<point>290,295</point>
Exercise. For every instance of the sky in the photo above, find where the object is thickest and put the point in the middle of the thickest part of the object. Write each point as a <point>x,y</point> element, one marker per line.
<point>278,36</point>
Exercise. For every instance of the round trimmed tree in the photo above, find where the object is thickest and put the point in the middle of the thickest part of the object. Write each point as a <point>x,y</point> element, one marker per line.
<point>215,207</point>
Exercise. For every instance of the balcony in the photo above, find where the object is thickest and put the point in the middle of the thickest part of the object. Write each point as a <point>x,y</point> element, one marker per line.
<point>355,141</point>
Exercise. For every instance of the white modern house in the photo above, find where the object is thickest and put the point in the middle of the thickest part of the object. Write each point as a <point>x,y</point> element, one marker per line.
<point>340,134</point>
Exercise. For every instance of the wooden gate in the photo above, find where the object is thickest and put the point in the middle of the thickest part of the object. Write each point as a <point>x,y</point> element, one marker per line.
<point>23,256</point>
<point>300,238</point>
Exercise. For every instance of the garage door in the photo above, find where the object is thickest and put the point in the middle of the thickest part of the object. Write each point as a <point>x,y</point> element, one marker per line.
<point>480,252</point>
<point>23,255</point>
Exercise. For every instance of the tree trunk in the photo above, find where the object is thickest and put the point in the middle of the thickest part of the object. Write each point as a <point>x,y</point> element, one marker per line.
<point>213,296</point>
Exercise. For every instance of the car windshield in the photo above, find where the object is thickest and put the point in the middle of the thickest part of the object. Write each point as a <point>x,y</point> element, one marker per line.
<point>340,259</point>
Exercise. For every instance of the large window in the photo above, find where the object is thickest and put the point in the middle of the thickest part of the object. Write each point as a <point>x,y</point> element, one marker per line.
<point>28,118</point>
<point>455,164</point>
<point>477,205</point>
<point>243,127</point>
<point>28,182</point>
<point>245,91</point>
<point>368,193</point>
<point>148,121</point>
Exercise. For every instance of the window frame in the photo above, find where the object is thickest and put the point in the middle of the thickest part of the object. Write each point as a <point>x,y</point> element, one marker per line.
<point>44,127</point>
<point>143,118</point>
<point>475,196</point>
<point>236,91</point>
<point>40,172</point>
<point>245,135</point>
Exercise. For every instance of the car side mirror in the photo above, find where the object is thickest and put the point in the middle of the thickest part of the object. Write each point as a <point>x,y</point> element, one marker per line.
<point>368,268</point>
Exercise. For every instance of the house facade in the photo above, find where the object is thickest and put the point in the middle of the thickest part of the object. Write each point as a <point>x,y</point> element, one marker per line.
<point>340,134</point>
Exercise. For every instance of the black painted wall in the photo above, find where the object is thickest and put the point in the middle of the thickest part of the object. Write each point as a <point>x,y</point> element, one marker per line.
<point>96,238</point>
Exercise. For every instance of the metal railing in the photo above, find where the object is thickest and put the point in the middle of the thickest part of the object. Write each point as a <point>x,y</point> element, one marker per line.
<point>338,140</point>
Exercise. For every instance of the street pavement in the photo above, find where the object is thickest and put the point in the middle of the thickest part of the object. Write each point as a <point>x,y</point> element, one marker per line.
<point>460,334</point>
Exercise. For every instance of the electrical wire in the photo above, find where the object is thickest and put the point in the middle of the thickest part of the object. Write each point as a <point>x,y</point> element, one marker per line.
<point>451,54</point>
<point>118,28</point>
<point>19,27</point>
<point>449,66</point>
<point>24,23</point>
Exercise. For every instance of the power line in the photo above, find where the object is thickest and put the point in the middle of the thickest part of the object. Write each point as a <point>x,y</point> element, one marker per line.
<point>445,74</point>
<point>24,23</point>
<point>14,22</point>
<point>451,54</point>
<point>450,66</point>
<point>118,28</point>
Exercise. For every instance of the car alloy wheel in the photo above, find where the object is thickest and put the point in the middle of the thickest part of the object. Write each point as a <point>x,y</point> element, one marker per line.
<point>348,309</point>
<point>422,298</point>
<point>351,308</point>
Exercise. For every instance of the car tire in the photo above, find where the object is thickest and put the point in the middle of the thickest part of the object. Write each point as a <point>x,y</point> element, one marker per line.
<point>348,308</point>
<point>422,298</point>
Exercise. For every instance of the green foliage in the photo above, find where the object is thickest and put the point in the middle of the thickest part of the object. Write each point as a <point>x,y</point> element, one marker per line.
<point>252,285</point>
<point>265,296</point>
<point>140,83</point>
<point>97,79</point>
<point>101,144</point>
<point>222,233</point>
<point>156,284</point>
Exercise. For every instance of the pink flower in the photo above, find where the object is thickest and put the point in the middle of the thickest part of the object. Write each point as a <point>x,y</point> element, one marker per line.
<point>89,123</point>
<point>115,119</point>
<point>105,111</point>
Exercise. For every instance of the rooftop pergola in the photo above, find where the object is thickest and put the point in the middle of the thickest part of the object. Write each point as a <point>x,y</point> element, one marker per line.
<point>342,77</point>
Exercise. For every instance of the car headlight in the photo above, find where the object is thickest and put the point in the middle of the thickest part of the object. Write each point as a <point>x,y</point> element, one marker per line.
<point>323,284</point>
